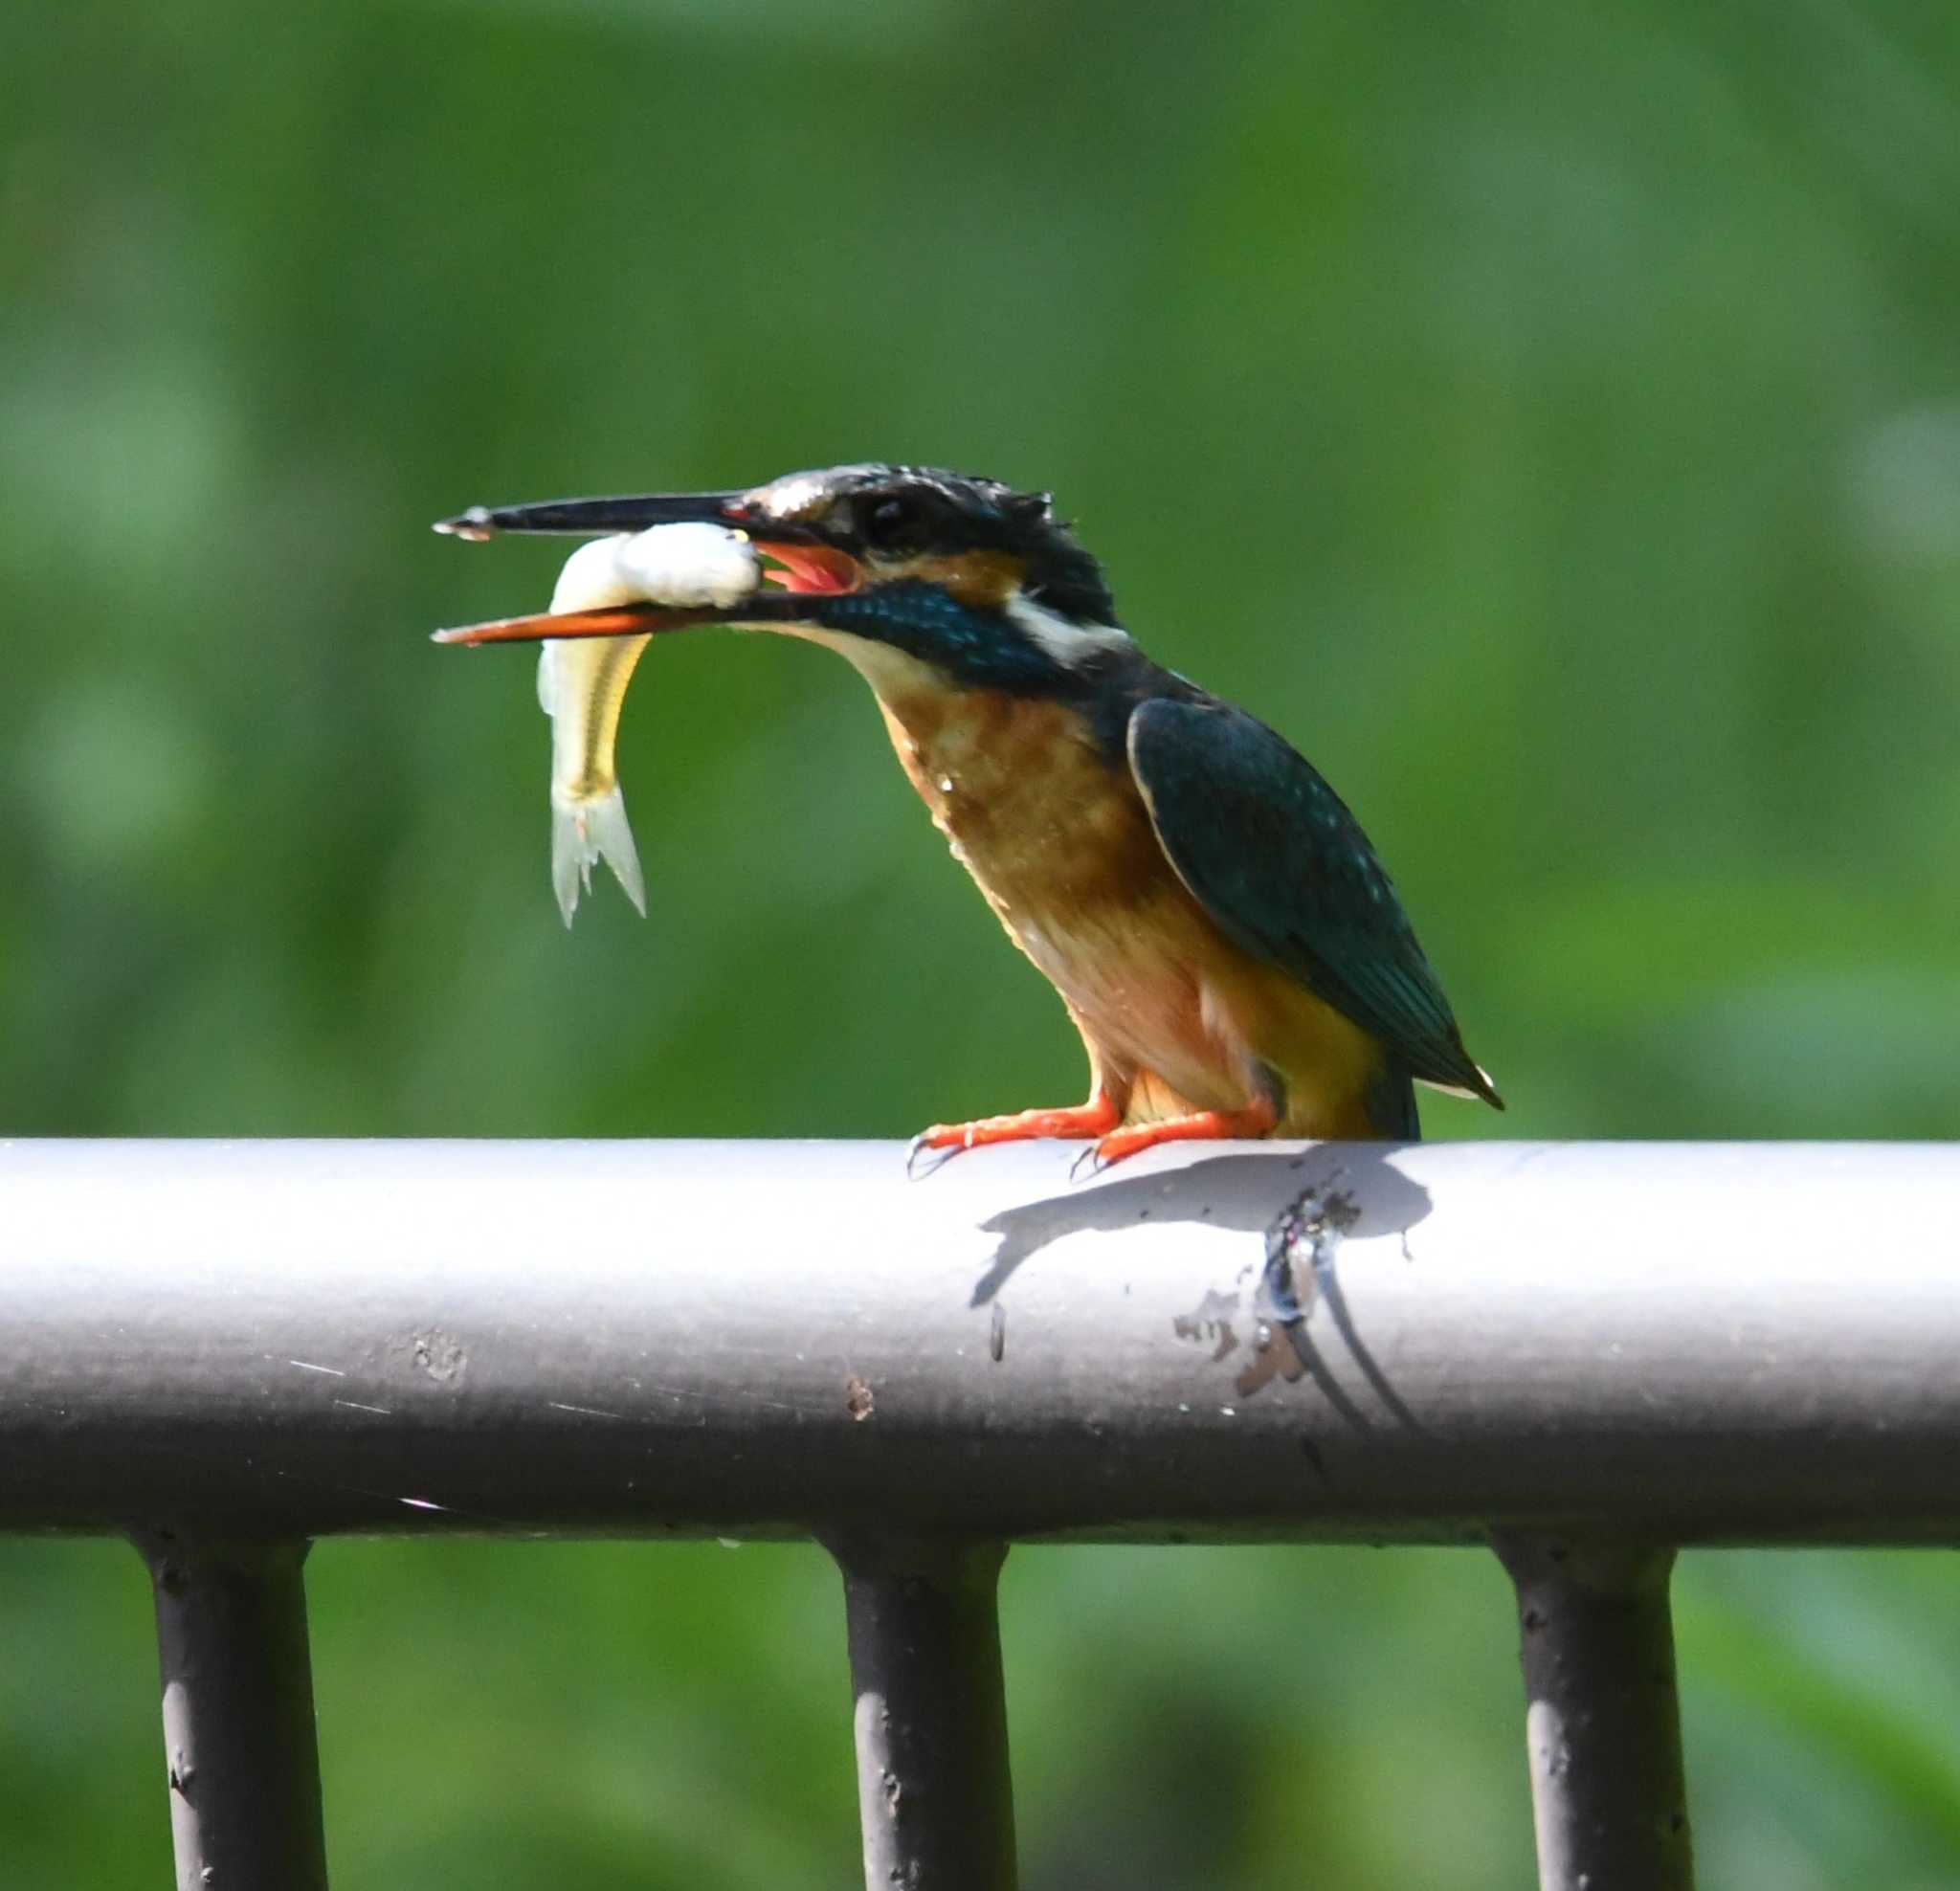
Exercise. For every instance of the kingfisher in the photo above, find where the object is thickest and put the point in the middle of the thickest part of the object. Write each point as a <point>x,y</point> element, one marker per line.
<point>1219,928</point>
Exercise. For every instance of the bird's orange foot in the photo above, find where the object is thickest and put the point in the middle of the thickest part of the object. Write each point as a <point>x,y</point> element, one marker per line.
<point>945,1140</point>
<point>1206,1126</point>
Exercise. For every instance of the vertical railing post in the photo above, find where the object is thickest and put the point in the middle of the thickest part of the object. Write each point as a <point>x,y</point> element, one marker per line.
<point>930,1713</point>
<point>239,1735</point>
<point>1602,1721</point>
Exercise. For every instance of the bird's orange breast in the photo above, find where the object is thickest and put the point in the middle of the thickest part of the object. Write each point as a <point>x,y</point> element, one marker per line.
<point>1056,837</point>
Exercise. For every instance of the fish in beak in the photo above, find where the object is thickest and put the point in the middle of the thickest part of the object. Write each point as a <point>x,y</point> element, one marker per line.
<point>659,562</point>
<point>613,594</point>
<point>800,564</point>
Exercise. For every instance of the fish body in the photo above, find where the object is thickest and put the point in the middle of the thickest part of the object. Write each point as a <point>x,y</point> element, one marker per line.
<point>581,684</point>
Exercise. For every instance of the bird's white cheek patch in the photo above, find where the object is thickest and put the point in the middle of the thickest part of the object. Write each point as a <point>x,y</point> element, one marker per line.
<point>1061,638</point>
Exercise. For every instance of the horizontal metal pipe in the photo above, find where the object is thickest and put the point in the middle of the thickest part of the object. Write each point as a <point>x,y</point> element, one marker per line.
<point>1684,1344</point>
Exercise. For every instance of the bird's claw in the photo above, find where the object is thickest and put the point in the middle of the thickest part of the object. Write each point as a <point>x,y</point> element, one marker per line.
<point>1097,1117</point>
<point>923,1146</point>
<point>1090,1162</point>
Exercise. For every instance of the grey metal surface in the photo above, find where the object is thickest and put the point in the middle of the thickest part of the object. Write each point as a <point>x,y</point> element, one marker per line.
<point>929,1713</point>
<point>1681,1344</point>
<point>242,1761</point>
<point>1602,1716</point>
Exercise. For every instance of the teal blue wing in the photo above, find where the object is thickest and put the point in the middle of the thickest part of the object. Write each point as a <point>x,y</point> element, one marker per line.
<point>1285,871</point>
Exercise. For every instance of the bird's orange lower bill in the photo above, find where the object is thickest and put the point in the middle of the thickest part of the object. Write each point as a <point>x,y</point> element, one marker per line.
<point>619,620</point>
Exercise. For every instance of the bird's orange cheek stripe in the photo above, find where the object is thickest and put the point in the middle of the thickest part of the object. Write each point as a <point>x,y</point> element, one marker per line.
<point>979,578</point>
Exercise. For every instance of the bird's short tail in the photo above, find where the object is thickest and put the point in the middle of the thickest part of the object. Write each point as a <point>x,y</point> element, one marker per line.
<point>583,834</point>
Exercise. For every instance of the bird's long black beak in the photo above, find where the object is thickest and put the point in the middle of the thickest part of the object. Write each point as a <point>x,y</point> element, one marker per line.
<point>806,566</point>
<point>634,513</point>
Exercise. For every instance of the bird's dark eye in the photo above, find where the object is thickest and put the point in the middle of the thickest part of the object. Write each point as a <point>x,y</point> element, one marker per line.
<point>892,522</point>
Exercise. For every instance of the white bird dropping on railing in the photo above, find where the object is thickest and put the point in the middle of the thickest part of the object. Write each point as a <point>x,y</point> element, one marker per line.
<point>582,683</point>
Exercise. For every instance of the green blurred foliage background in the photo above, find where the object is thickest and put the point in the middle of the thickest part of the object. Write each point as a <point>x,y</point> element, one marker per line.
<point>1549,417</point>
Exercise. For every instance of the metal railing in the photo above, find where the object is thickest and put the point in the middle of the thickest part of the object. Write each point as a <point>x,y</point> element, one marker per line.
<point>1582,1356</point>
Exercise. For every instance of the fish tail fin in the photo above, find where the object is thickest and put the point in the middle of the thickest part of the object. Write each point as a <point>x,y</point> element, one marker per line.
<point>585,831</point>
